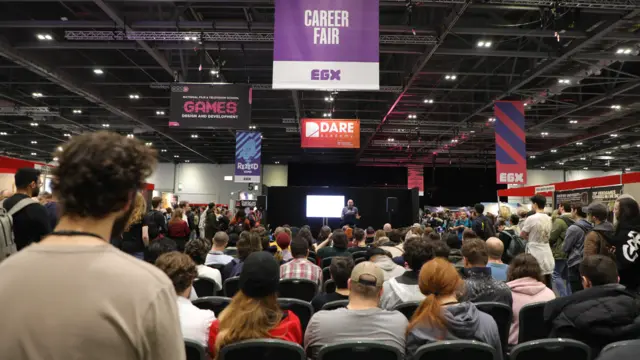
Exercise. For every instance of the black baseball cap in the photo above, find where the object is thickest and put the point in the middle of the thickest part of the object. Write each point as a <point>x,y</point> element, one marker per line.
<point>370,231</point>
<point>260,275</point>
<point>26,176</point>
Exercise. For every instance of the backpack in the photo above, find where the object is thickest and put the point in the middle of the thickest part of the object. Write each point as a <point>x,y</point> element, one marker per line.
<point>7,237</point>
<point>487,228</point>
<point>517,245</point>
<point>156,230</point>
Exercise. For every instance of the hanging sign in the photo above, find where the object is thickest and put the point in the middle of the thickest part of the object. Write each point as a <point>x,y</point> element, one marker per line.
<point>511,152</point>
<point>248,152</point>
<point>210,106</point>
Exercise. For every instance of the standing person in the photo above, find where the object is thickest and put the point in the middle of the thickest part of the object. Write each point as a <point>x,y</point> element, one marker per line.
<point>626,243</point>
<point>560,275</point>
<point>349,214</point>
<point>537,230</point>
<point>156,220</point>
<point>574,246</point>
<point>101,304</point>
<point>30,223</point>
<point>179,229</point>
<point>461,224</point>
<point>597,241</point>
<point>53,211</point>
<point>482,226</point>
<point>495,250</point>
<point>135,238</point>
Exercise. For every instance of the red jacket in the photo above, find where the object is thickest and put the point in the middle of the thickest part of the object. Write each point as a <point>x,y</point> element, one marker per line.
<point>178,229</point>
<point>289,329</point>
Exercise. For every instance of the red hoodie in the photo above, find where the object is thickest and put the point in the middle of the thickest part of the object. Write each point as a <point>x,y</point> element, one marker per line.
<point>289,329</point>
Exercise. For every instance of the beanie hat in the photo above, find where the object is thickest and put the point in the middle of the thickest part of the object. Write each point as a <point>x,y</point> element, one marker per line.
<point>283,240</point>
<point>260,275</point>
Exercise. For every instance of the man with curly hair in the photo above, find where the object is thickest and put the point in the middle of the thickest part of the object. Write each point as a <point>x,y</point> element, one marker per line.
<point>198,249</point>
<point>74,295</point>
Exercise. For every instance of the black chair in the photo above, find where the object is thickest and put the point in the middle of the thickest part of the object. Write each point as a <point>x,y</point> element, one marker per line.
<point>329,287</point>
<point>218,267</point>
<point>351,350</point>
<point>359,260</point>
<point>326,262</point>
<point>303,289</point>
<point>262,349</point>
<point>231,286</point>
<point>408,308</point>
<point>326,274</point>
<point>204,287</point>
<point>551,349</point>
<point>618,345</point>
<point>531,323</point>
<point>359,254</point>
<point>213,303</point>
<point>457,350</point>
<point>335,305</point>
<point>502,315</point>
<point>195,351</point>
<point>231,251</point>
<point>302,309</point>
<point>314,256</point>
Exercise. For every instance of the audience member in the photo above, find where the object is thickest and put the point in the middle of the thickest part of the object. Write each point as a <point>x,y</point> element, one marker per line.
<point>53,210</point>
<point>394,245</point>
<point>340,269</point>
<point>574,246</point>
<point>495,249</point>
<point>178,229</point>
<point>248,243</point>
<point>383,260</point>
<point>216,255</point>
<point>135,238</point>
<point>480,286</point>
<point>72,294</point>
<point>440,315</point>
<point>159,247</point>
<point>441,249</point>
<point>525,280</point>
<point>482,225</point>
<point>462,224</point>
<point>30,219</point>
<point>283,240</point>
<point>370,235</point>
<point>254,312</point>
<point>468,234</point>
<point>194,322</point>
<point>300,267</point>
<point>506,234</point>
<point>626,243</point>
<point>455,255</point>
<point>197,249</point>
<point>432,236</point>
<point>359,241</point>
<point>324,233</point>
<point>361,319</point>
<point>560,275</point>
<point>338,248</point>
<point>387,227</point>
<point>602,313</point>
<point>536,230</point>
<point>405,288</point>
<point>379,234</point>
<point>305,234</point>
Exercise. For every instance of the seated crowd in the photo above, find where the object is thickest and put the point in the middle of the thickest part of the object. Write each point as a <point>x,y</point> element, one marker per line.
<point>103,303</point>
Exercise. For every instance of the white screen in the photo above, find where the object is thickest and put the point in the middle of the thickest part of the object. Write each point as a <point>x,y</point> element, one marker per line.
<point>325,206</point>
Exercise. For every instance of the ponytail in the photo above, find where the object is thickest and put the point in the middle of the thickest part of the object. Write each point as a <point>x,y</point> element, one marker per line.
<point>429,312</point>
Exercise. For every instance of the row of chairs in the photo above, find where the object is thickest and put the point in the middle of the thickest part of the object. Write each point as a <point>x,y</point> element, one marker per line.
<point>302,289</point>
<point>268,349</point>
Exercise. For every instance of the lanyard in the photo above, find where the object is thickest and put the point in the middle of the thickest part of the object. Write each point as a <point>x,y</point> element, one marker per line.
<point>75,233</point>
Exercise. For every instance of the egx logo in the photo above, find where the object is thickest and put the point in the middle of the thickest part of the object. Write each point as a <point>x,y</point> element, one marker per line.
<point>326,74</point>
<point>512,178</point>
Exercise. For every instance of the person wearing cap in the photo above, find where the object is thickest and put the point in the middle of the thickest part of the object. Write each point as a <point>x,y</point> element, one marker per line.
<point>361,319</point>
<point>254,312</point>
<point>382,258</point>
<point>300,267</point>
<point>283,240</point>
<point>370,235</point>
<point>31,223</point>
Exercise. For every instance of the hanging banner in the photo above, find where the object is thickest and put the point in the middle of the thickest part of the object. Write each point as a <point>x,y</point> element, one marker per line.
<point>326,45</point>
<point>511,152</point>
<point>577,198</point>
<point>330,133</point>
<point>210,106</point>
<point>415,178</point>
<point>607,195</point>
<point>248,151</point>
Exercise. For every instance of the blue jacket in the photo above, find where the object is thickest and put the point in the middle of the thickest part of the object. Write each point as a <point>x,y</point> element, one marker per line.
<point>574,241</point>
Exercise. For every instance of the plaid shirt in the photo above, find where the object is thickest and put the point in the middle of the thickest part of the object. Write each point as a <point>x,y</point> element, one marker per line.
<point>301,269</point>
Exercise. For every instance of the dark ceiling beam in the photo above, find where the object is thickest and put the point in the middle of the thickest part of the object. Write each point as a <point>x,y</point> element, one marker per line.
<point>447,25</point>
<point>49,72</point>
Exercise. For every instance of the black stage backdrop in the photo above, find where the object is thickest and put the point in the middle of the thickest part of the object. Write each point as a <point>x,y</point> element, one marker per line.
<point>287,205</point>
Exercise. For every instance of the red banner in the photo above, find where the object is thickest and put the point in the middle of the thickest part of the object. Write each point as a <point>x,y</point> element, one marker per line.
<point>415,178</point>
<point>511,153</point>
<point>330,133</point>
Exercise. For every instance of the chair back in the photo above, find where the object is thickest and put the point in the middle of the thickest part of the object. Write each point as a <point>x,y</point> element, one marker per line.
<point>218,267</point>
<point>213,303</point>
<point>329,286</point>
<point>621,344</point>
<point>457,350</point>
<point>326,274</point>
<point>194,350</point>
<point>231,286</point>
<point>335,305</point>
<point>551,349</point>
<point>262,349</point>
<point>502,315</point>
<point>359,254</point>
<point>531,320</point>
<point>359,260</point>
<point>302,309</point>
<point>350,350</point>
<point>303,289</point>
<point>408,308</point>
<point>312,255</point>
<point>204,287</point>
<point>326,262</point>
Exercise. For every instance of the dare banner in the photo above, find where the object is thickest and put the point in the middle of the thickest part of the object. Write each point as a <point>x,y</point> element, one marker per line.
<point>248,152</point>
<point>326,45</point>
<point>511,152</point>
<point>330,133</point>
<point>210,106</point>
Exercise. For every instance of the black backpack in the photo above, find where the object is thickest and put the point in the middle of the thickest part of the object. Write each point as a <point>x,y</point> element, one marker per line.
<point>517,245</point>
<point>155,228</point>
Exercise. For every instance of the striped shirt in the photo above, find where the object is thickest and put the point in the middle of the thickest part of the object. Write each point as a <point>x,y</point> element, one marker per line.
<point>301,268</point>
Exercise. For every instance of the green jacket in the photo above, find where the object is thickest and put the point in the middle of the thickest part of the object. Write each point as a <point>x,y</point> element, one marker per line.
<point>558,232</point>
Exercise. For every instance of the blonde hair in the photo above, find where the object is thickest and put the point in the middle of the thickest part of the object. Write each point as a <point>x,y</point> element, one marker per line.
<point>139,209</point>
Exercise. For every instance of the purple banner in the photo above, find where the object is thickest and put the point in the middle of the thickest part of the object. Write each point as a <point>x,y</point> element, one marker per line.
<point>326,44</point>
<point>248,152</point>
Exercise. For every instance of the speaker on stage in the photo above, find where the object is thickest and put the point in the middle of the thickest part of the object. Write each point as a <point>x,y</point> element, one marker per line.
<point>261,203</point>
<point>392,205</point>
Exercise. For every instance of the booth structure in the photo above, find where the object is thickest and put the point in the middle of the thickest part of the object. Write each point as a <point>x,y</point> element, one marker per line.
<point>580,192</point>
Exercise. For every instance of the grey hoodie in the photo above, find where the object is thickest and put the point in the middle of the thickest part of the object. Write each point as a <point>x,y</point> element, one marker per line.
<point>574,241</point>
<point>401,289</point>
<point>464,322</point>
<point>387,265</point>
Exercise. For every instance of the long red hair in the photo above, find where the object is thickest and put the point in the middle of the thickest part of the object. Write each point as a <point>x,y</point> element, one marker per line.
<point>438,279</point>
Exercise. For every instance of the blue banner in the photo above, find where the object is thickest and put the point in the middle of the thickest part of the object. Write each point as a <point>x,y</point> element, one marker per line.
<point>248,153</point>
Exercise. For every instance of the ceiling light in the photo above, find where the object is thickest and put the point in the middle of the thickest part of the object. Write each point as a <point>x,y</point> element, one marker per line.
<point>148,144</point>
<point>252,127</point>
<point>554,150</point>
<point>77,111</point>
<point>616,107</point>
<point>34,124</point>
<point>34,142</point>
<point>55,159</point>
<point>49,37</point>
<point>613,135</point>
<point>105,125</point>
<point>564,81</point>
<point>60,148</point>
<point>484,44</point>
<point>67,135</point>
<point>326,115</point>
<point>214,72</point>
<point>451,77</point>
<point>130,136</point>
<point>40,37</point>
<point>194,136</point>
<point>2,133</point>
<point>532,157</point>
<point>492,119</point>
<point>544,133</point>
<point>472,131</point>
<point>623,51</point>
<point>277,162</point>
<point>176,156</point>
<point>98,71</point>
<point>186,161</point>
<point>608,152</point>
<point>412,116</point>
<point>560,163</point>
<point>578,143</point>
<point>159,112</point>
<point>454,140</point>
<point>163,150</point>
<point>36,94</point>
<point>583,158</point>
<point>328,98</point>
<point>585,168</point>
<point>526,104</point>
<point>573,121</point>
<point>428,101</point>
<point>34,154</point>
<point>134,96</point>
<point>43,37</point>
<point>390,139</point>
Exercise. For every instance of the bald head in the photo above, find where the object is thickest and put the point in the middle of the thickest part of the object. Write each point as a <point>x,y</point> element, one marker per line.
<point>495,248</point>
<point>387,227</point>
